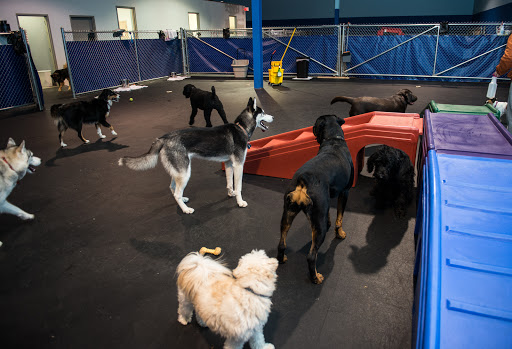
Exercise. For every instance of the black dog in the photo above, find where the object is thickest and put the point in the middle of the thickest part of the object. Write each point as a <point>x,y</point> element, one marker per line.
<point>329,174</point>
<point>394,176</point>
<point>74,115</point>
<point>396,103</point>
<point>206,101</point>
<point>59,76</point>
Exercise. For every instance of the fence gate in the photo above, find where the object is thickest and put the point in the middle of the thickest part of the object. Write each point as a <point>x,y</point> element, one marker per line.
<point>433,51</point>
<point>210,52</point>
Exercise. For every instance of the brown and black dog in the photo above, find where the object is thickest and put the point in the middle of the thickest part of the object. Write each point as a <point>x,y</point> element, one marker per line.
<point>329,174</point>
<point>396,103</point>
<point>60,75</point>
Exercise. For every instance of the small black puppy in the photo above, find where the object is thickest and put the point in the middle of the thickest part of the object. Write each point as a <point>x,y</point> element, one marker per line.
<point>59,76</point>
<point>396,103</point>
<point>204,100</point>
<point>394,176</point>
<point>328,175</point>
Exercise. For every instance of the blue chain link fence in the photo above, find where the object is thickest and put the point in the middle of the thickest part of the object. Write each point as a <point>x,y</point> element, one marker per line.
<point>19,82</point>
<point>99,60</point>
<point>458,52</point>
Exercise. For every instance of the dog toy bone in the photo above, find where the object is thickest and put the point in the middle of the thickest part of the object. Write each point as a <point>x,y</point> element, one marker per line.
<point>215,252</point>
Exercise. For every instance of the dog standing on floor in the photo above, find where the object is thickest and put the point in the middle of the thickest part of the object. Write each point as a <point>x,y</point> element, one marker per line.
<point>15,163</point>
<point>329,174</point>
<point>226,143</point>
<point>61,75</point>
<point>394,175</point>
<point>204,100</point>
<point>234,304</point>
<point>396,103</point>
<point>74,115</point>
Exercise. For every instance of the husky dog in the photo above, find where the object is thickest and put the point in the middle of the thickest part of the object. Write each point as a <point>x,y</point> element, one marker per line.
<point>234,304</point>
<point>226,143</point>
<point>15,162</point>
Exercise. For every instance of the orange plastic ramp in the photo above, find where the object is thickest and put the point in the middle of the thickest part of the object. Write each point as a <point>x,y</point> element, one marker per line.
<point>282,155</point>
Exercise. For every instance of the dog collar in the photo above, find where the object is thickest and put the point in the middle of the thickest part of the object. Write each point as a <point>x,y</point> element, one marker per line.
<point>243,129</point>
<point>8,164</point>
<point>332,138</point>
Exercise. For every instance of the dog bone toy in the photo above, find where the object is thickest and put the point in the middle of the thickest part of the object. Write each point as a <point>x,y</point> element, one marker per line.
<point>215,252</point>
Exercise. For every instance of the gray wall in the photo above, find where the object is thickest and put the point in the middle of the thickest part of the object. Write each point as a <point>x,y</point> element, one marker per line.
<point>150,14</point>
<point>484,5</point>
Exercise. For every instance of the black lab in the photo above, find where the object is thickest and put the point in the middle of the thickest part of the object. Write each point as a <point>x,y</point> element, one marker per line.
<point>396,103</point>
<point>328,175</point>
<point>204,100</point>
<point>394,175</point>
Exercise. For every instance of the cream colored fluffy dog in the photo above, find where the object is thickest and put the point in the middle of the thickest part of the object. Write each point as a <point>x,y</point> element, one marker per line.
<point>235,304</point>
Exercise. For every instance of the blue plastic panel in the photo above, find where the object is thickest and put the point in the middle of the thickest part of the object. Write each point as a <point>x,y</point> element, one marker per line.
<point>468,254</point>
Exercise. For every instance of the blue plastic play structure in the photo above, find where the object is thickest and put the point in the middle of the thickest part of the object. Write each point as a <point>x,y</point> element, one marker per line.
<point>463,291</point>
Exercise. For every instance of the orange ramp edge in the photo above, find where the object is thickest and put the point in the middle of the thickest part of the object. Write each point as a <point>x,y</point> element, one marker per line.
<point>283,154</point>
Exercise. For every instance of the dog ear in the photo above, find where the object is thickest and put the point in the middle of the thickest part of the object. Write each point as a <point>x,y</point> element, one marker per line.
<point>251,104</point>
<point>11,142</point>
<point>340,121</point>
<point>318,130</point>
<point>21,147</point>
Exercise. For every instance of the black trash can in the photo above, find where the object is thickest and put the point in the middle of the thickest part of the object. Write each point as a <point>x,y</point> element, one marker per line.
<point>302,67</point>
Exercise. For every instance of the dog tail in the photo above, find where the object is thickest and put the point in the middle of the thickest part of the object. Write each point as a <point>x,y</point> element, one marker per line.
<point>146,161</point>
<point>55,111</point>
<point>213,92</point>
<point>300,195</point>
<point>342,99</point>
<point>195,270</point>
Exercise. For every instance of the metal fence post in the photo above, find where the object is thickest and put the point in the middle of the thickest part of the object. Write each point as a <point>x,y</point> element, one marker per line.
<point>67,61</point>
<point>437,46</point>
<point>32,72</point>
<point>184,51</point>
<point>136,54</point>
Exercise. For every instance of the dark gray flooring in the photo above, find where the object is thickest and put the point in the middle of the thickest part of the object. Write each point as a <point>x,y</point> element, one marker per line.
<point>96,268</point>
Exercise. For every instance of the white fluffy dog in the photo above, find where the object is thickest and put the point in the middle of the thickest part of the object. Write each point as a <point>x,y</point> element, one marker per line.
<point>235,304</point>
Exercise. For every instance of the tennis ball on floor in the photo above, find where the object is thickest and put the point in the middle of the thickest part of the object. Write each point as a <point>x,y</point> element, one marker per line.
<point>131,99</point>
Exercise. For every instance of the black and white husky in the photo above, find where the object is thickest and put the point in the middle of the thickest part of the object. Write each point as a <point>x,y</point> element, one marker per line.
<point>226,143</point>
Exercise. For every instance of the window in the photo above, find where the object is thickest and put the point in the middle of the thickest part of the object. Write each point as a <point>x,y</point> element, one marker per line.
<point>126,20</point>
<point>193,21</point>
<point>232,22</point>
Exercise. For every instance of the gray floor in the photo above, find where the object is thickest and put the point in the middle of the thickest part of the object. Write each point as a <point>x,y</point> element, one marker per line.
<point>96,267</point>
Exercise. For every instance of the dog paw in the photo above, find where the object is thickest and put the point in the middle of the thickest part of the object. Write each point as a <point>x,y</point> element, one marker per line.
<point>242,203</point>
<point>340,234</point>
<point>319,278</point>
<point>268,346</point>
<point>283,260</point>
<point>231,193</point>
<point>63,145</point>
<point>182,320</point>
<point>103,136</point>
<point>188,210</point>
<point>86,141</point>
<point>27,216</point>
<point>114,133</point>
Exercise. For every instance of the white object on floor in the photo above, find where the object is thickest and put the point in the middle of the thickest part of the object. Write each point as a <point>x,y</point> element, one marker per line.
<point>177,78</point>
<point>308,78</point>
<point>129,88</point>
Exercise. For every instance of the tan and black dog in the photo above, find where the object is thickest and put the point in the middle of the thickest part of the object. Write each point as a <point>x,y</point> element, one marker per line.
<point>328,175</point>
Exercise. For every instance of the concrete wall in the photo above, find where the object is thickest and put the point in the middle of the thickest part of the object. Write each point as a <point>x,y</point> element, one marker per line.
<point>150,14</point>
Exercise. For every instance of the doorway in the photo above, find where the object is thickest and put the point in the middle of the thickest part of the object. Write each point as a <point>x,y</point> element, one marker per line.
<point>126,20</point>
<point>41,46</point>
<point>85,25</point>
